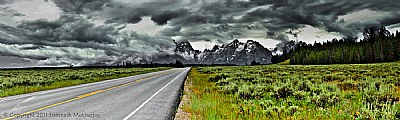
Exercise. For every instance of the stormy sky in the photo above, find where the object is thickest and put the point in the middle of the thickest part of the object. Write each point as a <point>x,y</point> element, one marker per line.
<point>93,32</point>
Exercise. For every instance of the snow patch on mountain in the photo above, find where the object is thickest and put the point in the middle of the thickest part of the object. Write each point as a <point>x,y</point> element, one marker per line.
<point>233,53</point>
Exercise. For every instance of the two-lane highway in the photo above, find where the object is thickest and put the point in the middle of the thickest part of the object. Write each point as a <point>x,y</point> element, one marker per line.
<point>147,96</point>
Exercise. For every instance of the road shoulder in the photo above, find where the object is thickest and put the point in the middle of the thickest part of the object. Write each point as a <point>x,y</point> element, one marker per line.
<point>181,113</point>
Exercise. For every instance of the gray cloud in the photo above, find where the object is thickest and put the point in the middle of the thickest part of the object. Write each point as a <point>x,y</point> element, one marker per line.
<point>81,6</point>
<point>165,16</point>
<point>70,27</point>
<point>275,16</point>
<point>9,1</point>
<point>74,40</point>
<point>133,13</point>
<point>79,36</point>
<point>133,17</point>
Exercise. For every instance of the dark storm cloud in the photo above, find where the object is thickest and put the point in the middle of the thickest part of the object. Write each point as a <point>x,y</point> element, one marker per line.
<point>394,19</point>
<point>69,28</point>
<point>81,6</point>
<point>11,35</point>
<point>37,37</point>
<point>74,38</point>
<point>284,15</point>
<point>165,16</point>
<point>133,17</point>
<point>33,47</point>
<point>160,10</point>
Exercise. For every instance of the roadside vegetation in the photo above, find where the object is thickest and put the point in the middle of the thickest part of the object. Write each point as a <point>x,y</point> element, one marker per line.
<point>15,82</point>
<point>369,91</point>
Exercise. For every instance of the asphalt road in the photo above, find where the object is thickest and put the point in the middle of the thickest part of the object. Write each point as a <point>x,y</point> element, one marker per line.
<point>147,96</point>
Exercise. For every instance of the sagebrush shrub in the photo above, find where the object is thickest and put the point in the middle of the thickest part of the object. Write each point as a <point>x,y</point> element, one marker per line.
<point>325,99</point>
<point>299,95</point>
<point>218,77</point>
<point>347,85</point>
<point>280,90</point>
<point>283,91</point>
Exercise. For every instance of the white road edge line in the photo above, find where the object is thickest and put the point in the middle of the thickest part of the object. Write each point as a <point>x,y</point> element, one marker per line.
<point>22,102</point>
<point>28,99</point>
<point>137,109</point>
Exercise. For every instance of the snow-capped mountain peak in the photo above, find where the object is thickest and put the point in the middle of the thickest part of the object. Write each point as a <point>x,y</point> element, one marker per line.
<point>233,53</point>
<point>184,47</point>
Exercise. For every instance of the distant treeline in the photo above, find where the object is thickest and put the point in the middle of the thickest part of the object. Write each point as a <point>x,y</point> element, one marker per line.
<point>378,45</point>
<point>177,64</point>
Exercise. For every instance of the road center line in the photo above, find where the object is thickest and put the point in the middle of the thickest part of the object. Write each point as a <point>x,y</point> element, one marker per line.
<point>144,103</point>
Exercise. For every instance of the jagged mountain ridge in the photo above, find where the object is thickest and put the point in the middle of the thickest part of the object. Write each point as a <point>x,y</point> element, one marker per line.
<point>233,53</point>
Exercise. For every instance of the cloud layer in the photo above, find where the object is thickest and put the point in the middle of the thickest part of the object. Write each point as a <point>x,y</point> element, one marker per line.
<point>88,32</point>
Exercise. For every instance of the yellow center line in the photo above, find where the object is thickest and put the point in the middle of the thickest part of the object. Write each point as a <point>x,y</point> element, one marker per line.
<point>82,96</point>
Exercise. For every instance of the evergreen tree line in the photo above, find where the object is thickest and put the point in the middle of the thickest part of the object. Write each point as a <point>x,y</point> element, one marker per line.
<point>128,64</point>
<point>378,45</point>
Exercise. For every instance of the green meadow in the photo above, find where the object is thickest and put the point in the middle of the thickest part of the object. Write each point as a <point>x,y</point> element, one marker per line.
<point>364,91</point>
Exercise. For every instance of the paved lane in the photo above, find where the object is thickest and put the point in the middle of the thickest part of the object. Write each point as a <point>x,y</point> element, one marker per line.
<point>147,96</point>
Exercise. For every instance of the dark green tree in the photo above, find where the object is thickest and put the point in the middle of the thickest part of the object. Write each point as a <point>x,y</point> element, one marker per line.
<point>179,64</point>
<point>378,45</point>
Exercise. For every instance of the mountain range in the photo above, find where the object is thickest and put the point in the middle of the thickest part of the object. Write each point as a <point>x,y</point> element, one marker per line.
<point>236,52</point>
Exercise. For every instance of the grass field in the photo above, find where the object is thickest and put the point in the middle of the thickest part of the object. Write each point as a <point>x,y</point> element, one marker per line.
<point>368,91</point>
<point>15,82</point>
